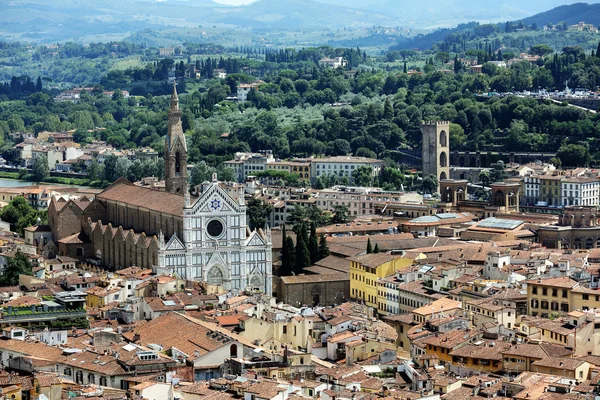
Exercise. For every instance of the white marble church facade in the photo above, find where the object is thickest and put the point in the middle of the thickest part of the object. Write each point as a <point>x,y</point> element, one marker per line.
<point>217,246</point>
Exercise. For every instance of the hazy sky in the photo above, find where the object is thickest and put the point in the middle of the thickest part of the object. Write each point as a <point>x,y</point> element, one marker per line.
<point>234,2</point>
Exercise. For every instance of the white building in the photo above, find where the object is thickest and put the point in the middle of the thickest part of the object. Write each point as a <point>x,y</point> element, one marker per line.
<point>532,189</point>
<point>580,191</point>
<point>219,73</point>
<point>342,166</point>
<point>247,164</point>
<point>335,62</point>
<point>388,296</point>
<point>56,155</point>
<point>359,200</point>
<point>217,246</point>
<point>244,89</point>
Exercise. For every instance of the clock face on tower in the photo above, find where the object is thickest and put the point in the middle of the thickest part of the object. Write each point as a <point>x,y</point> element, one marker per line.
<point>215,205</point>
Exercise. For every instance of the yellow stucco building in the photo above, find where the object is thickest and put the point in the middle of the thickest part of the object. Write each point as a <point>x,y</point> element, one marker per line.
<point>558,296</point>
<point>365,270</point>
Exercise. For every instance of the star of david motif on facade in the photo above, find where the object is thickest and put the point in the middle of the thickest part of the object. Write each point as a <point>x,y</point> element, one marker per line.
<point>215,205</point>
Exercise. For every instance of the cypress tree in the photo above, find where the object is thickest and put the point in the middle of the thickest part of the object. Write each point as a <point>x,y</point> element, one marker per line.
<point>598,50</point>
<point>289,243</point>
<point>304,232</point>
<point>323,248</point>
<point>302,253</point>
<point>286,266</point>
<point>405,70</point>
<point>369,247</point>
<point>376,249</point>
<point>388,110</point>
<point>313,244</point>
<point>457,65</point>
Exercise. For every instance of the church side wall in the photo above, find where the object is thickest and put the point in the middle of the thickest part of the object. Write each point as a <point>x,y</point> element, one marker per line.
<point>123,249</point>
<point>67,221</point>
<point>143,220</point>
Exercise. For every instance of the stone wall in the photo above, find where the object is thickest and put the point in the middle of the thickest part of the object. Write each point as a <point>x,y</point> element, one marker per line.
<point>327,293</point>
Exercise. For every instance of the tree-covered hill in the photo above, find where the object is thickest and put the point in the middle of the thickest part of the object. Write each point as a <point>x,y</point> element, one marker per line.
<point>530,29</point>
<point>571,14</point>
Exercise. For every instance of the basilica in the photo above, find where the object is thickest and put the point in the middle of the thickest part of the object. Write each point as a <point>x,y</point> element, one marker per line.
<point>204,238</point>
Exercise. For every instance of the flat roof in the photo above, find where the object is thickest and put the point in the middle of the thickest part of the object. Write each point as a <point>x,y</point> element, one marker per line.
<point>496,223</point>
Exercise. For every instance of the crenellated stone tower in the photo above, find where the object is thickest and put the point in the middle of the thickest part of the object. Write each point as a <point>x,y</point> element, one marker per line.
<point>176,180</point>
<point>436,149</point>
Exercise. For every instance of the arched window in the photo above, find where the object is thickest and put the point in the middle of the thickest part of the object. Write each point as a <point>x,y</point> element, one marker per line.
<point>443,139</point>
<point>177,163</point>
<point>443,176</point>
<point>443,159</point>
<point>233,351</point>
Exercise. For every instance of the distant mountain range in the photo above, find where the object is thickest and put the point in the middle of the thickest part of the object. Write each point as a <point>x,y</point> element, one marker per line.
<point>51,20</point>
<point>571,14</point>
<point>54,20</point>
<point>454,11</point>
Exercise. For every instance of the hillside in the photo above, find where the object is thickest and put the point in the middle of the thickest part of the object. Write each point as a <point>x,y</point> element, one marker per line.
<point>55,20</point>
<point>571,14</point>
<point>452,12</point>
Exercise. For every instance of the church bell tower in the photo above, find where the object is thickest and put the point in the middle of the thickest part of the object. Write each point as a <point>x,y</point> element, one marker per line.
<point>176,180</point>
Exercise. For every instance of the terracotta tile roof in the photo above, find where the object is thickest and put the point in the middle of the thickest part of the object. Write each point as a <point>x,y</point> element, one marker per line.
<point>461,393</point>
<point>77,238</point>
<point>560,282</point>
<point>356,226</point>
<point>23,301</point>
<point>126,192</point>
<point>277,237</point>
<point>418,287</point>
<point>101,291</point>
<point>340,319</point>
<point>315,278</point>
<point>158,304</point>
<point>340,336</point>
<point>189,336</point>
<point>228,320</point>
<point>485,351</point>
<point>237,299</point>
<point>403,318</point>
<point>265,389</point>
<point>104,364</point>
<point>437,306</point>
<point>374,260</point>
<point>200,388</point>
<point>45,380</point>
<point>335,263</point>
<point>451,339</point>
<point>569,364</point>
<point>23,383</point>
<point>539,351</point>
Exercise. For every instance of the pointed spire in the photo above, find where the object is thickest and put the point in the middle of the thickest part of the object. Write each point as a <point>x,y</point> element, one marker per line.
<point>268,233</point>
<point>188,200</point>
<point>174,97</point>
<point>161,240</point>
